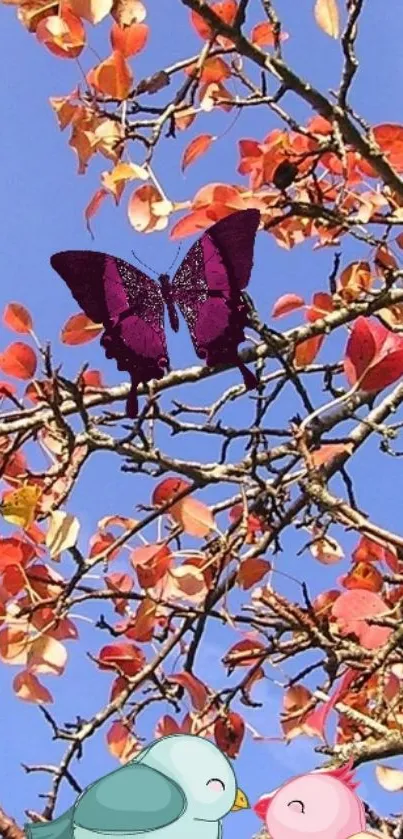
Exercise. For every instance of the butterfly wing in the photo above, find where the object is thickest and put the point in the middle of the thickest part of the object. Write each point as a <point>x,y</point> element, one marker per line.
<point>207,288</point>
<point>130,306</point>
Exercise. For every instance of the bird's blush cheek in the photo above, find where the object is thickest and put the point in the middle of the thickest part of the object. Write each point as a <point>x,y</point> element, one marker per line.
<point>215,786</point>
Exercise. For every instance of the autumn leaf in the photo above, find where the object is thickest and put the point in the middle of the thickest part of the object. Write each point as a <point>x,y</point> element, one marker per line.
<point>126,12</point>
<point>263,35</point>
<point>17,318</point>
<point>147,210</point>
<point>286,304</point>
<point>188,583</point>
<point>122,657</point>
<point>112,77</point>
<point>364,576</point>
<point>27,687</point>
<point>151,563</point>
<point>229,733</point>
<point>374,356</point>
<point>389,777</point>
<point>62,533</point>
<point>32,12</point>
<point>196,689</point>
<point>62,34</point>
<point>167,489</point>
<point>350,611</point>
<point>92,10</point>
<point>197,147</point>
<point>47,655</point>
<point>19,507</point>
<point>327,17</point>
<point>252,571</point>
<point>129,40</point>
<point>19,361</point>
<point>354,280</point>
<point>194,516</point>
<point>79,329</point>
<point>121,742</point>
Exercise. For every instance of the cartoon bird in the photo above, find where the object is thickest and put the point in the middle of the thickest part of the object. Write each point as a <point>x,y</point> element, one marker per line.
<point>321,803</point>
<point>178,787</point>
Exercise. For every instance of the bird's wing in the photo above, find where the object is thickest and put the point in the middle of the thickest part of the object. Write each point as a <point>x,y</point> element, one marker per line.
<point>133,798</point>
<point>61,828</point>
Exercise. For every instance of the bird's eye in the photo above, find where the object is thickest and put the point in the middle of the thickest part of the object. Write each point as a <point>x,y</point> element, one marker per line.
<point>216,784</point>
<point>297,806</point>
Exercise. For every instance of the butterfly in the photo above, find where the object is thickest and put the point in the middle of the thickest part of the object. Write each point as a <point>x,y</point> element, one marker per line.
<point>207,288</point>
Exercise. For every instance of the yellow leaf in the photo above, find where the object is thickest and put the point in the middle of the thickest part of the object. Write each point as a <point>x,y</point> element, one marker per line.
<point>19,506</point>
<point>92,10</point>
<point>327,17</point>
<point>62,533</point>
<point>389,777</point>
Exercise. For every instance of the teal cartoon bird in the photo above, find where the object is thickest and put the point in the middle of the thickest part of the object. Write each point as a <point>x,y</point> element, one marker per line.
<point>179,787</point>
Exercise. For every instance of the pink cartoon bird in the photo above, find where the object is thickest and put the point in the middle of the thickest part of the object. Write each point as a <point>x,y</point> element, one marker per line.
<point>321,803</point>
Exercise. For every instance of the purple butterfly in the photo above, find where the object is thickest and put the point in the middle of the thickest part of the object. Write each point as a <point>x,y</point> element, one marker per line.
<point>207,288</point>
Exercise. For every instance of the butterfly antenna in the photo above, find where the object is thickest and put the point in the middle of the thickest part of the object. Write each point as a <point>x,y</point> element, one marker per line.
<point>144,264</point>
<point>176,256</point>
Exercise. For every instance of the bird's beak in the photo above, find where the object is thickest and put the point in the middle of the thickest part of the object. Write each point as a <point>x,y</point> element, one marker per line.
<point>241,801</point>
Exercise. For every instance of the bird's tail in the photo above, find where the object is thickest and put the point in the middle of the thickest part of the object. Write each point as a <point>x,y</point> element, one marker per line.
<point>61,828</point>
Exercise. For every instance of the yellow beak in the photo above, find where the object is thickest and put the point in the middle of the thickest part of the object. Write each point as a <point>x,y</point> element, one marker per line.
<point>241,801</point>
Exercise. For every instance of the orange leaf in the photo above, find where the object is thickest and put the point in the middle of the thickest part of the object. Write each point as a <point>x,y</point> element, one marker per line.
<point>306,351</point>
<point>390,140</point>
<point>129,40</point>
<point>28,687</point>
<point>79,330</point>
<point>194,516</point>
<point>263,35</point>
<point>251,571</point>
<point>287,303</point>
<point>244,653</point>
<point>92,10</point>
<point>328,451</point>
<point>214,70</point>
<point>112,77</point>
<point>31,12</point>
<point>121,742</point>
<point>64,109</point>
<point>190,224</point>
<point>141,627</point>
<point>226,10</point>
<point>354,280</point>
<point>90,210</point>
<point>63,35</point>
<point>197,690</point>
<point>198,146</point>
<point>17,318</point>
<point>19,361</point>
<point>363,575</point>
<point>327,17</point>
<point>147,210</point>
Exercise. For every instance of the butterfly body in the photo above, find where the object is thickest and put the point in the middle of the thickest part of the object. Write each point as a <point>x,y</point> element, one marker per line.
<point>207,289</point>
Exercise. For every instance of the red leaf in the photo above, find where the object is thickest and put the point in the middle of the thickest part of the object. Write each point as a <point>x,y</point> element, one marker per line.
<point>141,626</point>
<point>363,576</point>
<point>287,303</point>
<point>315,722</point>
<point>17,318</point>
<point>92,378</point>
<point>368,550</point>
<point>123,657</point>
<point>129,40</point>
<point>198,146</point>
<point>196,689</point>
<point>13,551</point>
<point>19,361</point>
<point>63,34</point>
<point>374,356</point>
<point>390,140</point>
<point>100,542</point>
<point>167,490</point>
<point>79,330</point>
<point>151,563</point>
<point>251,571</point>
<point>244,653</point>
<point>229,733</point>
<point>350,611</point>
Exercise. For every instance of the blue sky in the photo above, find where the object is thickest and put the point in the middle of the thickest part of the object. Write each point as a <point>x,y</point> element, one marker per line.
<point>41,210</point>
